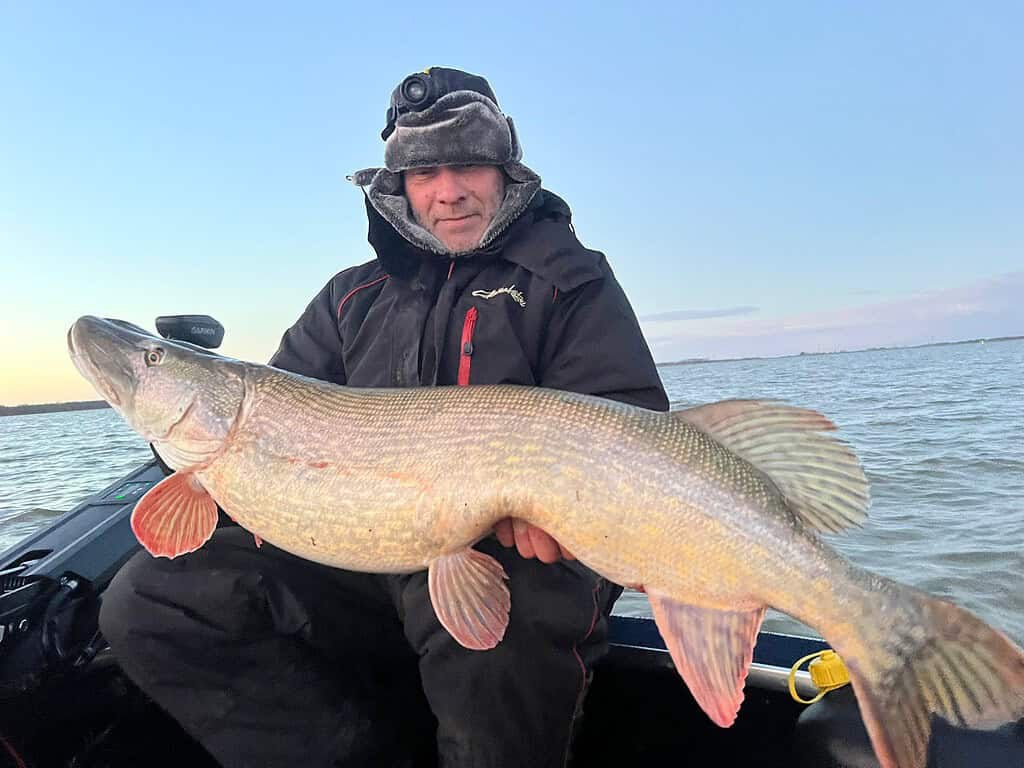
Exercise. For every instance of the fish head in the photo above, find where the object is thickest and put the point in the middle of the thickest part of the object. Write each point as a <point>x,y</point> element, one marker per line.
<point>182,398</point>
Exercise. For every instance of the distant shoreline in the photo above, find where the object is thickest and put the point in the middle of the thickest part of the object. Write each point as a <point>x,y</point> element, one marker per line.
<point>696,360</point>
<point>81,405</point>
<point>92,405</point>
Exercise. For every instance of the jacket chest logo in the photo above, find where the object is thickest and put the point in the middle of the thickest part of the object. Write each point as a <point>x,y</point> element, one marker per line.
<point>516,295</point>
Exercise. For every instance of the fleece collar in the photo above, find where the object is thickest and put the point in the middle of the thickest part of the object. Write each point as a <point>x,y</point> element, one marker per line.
<point>540,240</point>
<point>385,192</point>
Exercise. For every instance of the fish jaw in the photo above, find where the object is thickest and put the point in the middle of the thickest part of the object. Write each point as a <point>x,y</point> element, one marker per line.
<point>177,396</point>
<point>98,355</point>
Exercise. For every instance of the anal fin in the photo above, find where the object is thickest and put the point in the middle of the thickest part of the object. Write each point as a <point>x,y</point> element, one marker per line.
<point>175,516</point>
<point>468,592</point>
<point>712,650</point>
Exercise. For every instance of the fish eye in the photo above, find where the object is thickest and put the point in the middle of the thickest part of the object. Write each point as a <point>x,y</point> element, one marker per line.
<point>154,356</point>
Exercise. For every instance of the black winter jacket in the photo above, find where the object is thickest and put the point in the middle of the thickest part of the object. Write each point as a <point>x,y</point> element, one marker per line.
<point>534,308</point>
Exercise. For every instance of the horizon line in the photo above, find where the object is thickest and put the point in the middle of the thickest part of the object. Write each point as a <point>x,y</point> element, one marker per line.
<point>10,410</point>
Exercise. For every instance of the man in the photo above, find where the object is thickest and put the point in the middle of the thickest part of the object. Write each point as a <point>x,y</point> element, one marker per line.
<point>479,279</point>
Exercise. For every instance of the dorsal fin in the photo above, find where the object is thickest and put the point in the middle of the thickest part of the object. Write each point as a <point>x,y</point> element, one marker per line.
<point>820,476</point>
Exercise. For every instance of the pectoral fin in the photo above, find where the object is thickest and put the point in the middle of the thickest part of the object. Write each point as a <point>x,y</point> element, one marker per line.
<point>468,592</point>
<point>712,651</point>
<point>175,516</point>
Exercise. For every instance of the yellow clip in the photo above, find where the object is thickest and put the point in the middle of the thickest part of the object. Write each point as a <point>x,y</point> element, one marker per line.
<point>827,673</point>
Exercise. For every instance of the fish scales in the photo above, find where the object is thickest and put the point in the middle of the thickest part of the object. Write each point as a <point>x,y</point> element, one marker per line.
<point>345,471</point>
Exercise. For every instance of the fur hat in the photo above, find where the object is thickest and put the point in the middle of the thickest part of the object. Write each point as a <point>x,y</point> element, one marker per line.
<point>461,127</point>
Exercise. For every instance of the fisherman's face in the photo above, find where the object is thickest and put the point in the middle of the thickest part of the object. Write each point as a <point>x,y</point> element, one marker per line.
<point>455,203</point>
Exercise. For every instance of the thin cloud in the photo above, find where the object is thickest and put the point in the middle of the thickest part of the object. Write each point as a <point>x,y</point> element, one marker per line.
<point>697,314</point>
<point>988,308</point>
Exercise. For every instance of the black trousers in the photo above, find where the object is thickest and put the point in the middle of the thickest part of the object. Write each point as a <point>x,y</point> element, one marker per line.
<point>270,660</point>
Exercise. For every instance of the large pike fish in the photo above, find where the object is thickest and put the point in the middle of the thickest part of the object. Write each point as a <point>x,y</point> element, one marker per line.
<point>714,511</point>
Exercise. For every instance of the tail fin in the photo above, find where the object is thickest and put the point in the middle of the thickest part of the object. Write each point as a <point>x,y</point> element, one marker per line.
<point>944,661</point>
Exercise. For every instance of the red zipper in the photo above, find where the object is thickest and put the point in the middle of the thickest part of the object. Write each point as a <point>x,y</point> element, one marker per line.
<point>466,350</point>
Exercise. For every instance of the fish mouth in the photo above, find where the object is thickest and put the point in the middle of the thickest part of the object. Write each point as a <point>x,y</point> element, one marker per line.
<point>99,349</point>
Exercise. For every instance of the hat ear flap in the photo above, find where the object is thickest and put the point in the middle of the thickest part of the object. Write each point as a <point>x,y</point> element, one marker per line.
<point>517,151</point>
<point>364,177</point>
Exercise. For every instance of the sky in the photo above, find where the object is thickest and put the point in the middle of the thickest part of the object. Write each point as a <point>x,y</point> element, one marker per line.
<point>765,178</point>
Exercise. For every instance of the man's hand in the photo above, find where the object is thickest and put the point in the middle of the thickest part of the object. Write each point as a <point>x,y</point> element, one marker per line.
<point>530,540</point>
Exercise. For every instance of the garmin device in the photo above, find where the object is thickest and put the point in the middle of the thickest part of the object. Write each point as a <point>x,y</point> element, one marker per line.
<point>201,330</point>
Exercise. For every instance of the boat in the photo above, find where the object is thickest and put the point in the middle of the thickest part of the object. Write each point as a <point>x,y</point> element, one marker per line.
<point>64,701</point>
